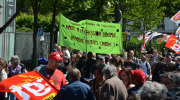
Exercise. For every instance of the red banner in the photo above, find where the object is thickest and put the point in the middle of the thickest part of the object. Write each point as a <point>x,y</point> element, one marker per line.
<point>29,86</point>
<point>173,43</point>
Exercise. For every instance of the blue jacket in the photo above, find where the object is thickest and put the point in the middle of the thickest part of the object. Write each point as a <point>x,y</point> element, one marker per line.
<point>75,90</point>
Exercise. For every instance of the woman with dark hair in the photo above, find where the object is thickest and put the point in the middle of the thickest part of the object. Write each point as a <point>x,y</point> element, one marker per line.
<point>116,61</point>
<point>169,67</point>
<point>96,83</point>
<point>125,76</point>
<point>90,61</point>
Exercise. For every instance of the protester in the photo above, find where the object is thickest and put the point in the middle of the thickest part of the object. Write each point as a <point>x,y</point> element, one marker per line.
<point>96,83</point>
<point>94,56</point>
<point>51,72</point>
<point>145,67</point>
<point>155,58</point>
<point>117,62</point>
<point>169,59</point>
<point>100,59</point>
<point>75,90</point>
<point>3,75</point>
<point>137,78</point>
<point>59,50</point>
<point>158,70</point>
<point>153,91</point>
<point>55,48</point>
<point>133,97</point>
<point>66,56</point>
<point>169,68</point>
<point>72,63</point>
<point>166,79</point>
<point>131,60</point>
<point>90,61</point>
<point>14,69</point>
<point>125,76</point>
<point>78,56</point>
<point>107,58</point>
<point>81,53</point>
<point>112,88</point>
<point>174,93</point>
<point>177,60</point>
<point>80,65</point>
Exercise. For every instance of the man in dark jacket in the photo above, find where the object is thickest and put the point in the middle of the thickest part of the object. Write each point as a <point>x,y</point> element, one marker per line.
<point>75,90</point>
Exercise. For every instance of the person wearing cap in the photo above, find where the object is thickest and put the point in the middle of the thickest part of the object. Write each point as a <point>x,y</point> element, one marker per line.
<point>138,78</point>
<point>51,72</point>
<point>112,88</point>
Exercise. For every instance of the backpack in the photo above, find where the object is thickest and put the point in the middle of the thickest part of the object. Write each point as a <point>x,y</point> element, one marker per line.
<point>147,67</point>
<point>23,68</point>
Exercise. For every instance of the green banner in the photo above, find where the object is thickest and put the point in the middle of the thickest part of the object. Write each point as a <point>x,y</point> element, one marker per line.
<point>91,36</point>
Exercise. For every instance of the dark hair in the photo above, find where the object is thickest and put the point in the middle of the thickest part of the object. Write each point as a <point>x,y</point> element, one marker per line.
<point>97,66</point>
<point>5,65</point>
<point>127,70</point>
<point>117,61</point>
<point>163,58</point>
<point>170,67</point>
<point>89,55</point>
<point>100,57</point>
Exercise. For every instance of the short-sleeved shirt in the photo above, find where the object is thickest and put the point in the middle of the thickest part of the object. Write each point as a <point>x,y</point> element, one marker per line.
<point>144,66</point>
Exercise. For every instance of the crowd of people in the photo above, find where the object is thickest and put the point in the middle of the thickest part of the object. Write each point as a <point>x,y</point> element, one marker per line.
<point>91,76</point>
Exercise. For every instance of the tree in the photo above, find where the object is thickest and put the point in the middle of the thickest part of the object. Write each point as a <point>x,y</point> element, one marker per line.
<point>145,15</point>
<point>35,6</point>
<point>12,18</point>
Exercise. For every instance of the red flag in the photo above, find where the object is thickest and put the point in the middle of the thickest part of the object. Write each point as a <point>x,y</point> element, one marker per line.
<point>142,48</point>
<point>29,86</point>
<point>173,43</point>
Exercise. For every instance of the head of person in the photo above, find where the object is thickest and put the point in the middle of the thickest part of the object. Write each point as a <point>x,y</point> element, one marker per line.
<point>66,48</point>
<point>15,61</point>
<point>137,77</point>
<point>153,91</point>
<point>73,59</point>
<point>80,52</point>
<point>125,74</point>
<point>54,61</point>
<point>116,61</point>
<point>94,55</point>
<point>163,59</point>
<point>74,74</point>
<point>100,59</point>
<point>155,53</point>
<point>131,53</point>
<point>176,79</point>
<point>133,97</point>
<point>97,69</point>
<point>108,56</point>
<point>78,56</point>
<point>89,55</point>
<point>56,46</point>
<point>169,58</point>
<point>143,58</point>
<point>177,59</point>
<point>109,71</point>
<point>166,79</point>
<point>59,47</point>
<point>171,54</point>
<point>169,67</point>
<point>2,64</point>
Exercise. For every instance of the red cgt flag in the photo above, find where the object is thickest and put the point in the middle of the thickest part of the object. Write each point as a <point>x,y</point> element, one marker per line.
<point>173,43</point>
<point>29,86</point>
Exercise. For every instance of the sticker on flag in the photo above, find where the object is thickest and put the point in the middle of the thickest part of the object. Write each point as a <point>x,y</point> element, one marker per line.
<point>29,86</point>
<point>173,43</point>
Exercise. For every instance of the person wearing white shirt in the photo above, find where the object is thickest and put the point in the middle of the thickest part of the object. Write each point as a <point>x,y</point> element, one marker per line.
<point>145,67</point>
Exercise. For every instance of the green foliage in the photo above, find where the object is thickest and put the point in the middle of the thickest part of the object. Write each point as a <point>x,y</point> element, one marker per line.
<point>145,14</point>
<point>24,22</point>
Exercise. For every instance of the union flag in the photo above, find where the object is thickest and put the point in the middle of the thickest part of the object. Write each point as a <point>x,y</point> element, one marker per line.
<point>29,86</point>
<point>173,43</point>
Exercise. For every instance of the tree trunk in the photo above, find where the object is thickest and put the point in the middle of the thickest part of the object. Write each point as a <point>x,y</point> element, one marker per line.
<point>52,26</point>
<point>12,18</point>
<point>34,58</point>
